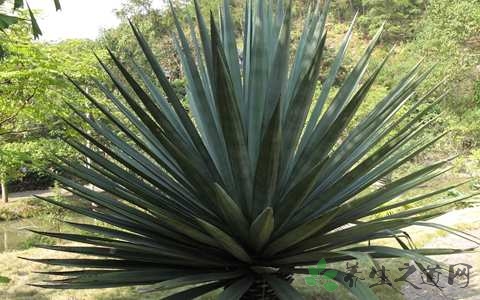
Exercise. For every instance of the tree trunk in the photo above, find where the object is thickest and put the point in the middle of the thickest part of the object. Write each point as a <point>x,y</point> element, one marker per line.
<point>4,191</point>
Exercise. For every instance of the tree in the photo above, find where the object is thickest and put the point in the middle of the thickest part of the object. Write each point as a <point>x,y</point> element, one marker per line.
<point>158,26</point>
<point>31,77</point>
<point>7,20</point>
<point>10,167</point>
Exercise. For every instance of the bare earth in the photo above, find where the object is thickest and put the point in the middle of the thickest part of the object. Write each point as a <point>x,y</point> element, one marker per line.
<point>29,194</point>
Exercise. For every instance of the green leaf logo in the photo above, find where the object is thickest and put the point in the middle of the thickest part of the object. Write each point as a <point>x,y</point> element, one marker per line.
<point>329,275</point>
<point>310,281</point>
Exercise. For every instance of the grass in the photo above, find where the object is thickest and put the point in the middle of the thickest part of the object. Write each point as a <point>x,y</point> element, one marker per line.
<point>26,208</point>
<point>36,240</point>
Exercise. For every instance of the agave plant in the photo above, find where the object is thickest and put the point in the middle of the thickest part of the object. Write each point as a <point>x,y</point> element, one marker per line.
<point>258,179</point>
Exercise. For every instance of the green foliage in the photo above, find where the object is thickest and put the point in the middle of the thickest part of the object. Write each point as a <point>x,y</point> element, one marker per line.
<point>27,208</point>
<point>157,25</point>
<point>449,37</point>
<point>7,20</point>
<point>260,179</point>
<point>31,78</point>
<point>446,36</point>
<point>33,73</point>
<point>16,158</point>
<point>35,240</point>
<point>449,22</point>
<point>11,162</point>
<point>446,33</point>
<point>400,16</point>
<point>476,95</point>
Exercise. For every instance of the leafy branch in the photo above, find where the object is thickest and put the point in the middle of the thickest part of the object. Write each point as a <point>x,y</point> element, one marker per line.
<point>7,20</point>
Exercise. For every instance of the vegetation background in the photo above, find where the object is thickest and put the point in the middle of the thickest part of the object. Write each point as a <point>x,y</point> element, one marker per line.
<point>32,82</point>
<point>33,86</point>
